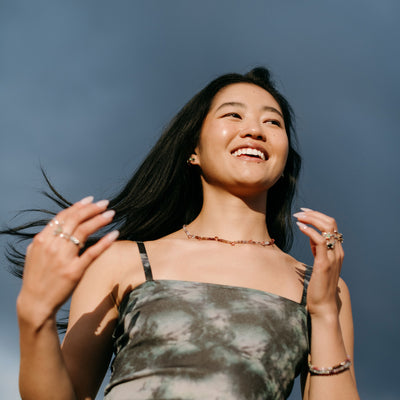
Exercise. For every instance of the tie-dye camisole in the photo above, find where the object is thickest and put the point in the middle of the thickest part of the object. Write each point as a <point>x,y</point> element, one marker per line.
<point>203,341</point>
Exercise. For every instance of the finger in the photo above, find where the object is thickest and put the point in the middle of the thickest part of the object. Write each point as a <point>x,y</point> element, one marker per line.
<point>317,242</point>
<point>67,220</point>
<point>320,245</point>
<point>325,224</point>
<point>81,213</point>
<point>87,228</point>
<point>94,251</point>
<point>58,220</point>
<point>58,234</point>
<point>321,221</point>
<point>327,261</point>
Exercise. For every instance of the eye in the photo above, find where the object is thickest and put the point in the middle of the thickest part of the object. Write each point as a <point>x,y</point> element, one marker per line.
<point>233,115</point>
<point>273,122</point>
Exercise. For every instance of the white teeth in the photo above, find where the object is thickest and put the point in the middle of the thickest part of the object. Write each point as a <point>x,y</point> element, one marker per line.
<point>250,152</point>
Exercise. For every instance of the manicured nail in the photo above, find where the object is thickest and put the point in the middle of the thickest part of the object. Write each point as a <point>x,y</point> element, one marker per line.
<point>86,200</point>
<point>299,215</point>
<point>301,225</point>
<point>305,209</point>
<point>108,214</point>
<point>102,203</point>
<point>112,236</point>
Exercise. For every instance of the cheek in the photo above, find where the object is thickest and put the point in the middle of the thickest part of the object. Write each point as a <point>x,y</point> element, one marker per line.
<point>285,144</point>
<point>282,144</point>
<point>224,132</point>
<point>215,136</point>
<point>218,132</point>
<point>283,140</point>
<point>278,138</point>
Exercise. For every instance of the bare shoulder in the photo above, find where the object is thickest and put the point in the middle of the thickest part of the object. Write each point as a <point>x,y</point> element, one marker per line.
<point>106,269</point>
<point>107,278</point>
<point>299,267</point>
<point>87,345</point>
<point>118,254</point>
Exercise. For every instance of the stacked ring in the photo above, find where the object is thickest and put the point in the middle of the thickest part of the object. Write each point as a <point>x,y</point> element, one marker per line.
<point>339,236</point>
<point>59,232</point>
<point>335,235</point>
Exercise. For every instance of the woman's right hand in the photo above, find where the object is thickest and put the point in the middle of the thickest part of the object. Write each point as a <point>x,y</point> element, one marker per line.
<point>53,265</point>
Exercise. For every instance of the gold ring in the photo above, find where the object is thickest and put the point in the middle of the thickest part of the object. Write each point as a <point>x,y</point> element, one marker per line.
<point>335,235</point>
<point>338,236</point>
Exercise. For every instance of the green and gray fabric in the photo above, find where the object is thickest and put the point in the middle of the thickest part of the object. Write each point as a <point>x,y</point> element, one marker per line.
<point>201,341</point>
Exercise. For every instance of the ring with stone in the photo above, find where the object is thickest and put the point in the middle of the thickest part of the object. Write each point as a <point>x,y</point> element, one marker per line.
<point>76,241</point>
<point>54,221</point>
<point>338,236</point>
<point>330,245</point>
<point>333,235</point>
<point>58,230</point>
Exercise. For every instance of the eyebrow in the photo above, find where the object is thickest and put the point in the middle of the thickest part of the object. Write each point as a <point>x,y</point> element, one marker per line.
<point>241,105</point>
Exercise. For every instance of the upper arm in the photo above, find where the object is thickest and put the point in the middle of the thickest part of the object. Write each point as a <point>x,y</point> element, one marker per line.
<point>87,345</point>
<point>346,325</point>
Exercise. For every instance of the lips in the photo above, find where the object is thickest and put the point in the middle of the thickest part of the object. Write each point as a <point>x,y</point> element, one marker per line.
<point>250,151</point>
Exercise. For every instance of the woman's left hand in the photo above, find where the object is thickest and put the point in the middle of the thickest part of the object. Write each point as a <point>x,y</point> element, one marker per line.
<point>328,258</point>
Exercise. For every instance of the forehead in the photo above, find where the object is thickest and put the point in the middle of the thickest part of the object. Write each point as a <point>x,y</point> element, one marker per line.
<point>246,93</point>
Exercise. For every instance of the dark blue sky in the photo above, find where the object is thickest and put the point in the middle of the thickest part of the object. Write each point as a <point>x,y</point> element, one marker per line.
<point>86,88</point>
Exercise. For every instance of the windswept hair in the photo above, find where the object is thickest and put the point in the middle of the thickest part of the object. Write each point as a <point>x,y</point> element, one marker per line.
<point>165,193</point>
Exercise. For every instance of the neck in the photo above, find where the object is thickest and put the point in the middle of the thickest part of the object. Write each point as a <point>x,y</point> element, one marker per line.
<point>231,217</point>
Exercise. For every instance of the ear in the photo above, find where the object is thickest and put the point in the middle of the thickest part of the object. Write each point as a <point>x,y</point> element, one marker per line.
<point>194,158</point>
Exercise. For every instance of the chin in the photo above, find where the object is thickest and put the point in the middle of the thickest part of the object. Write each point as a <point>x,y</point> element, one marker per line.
<point>249,189</point>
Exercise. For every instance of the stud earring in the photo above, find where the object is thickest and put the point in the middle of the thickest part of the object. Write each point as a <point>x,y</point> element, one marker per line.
<point>190,159</point>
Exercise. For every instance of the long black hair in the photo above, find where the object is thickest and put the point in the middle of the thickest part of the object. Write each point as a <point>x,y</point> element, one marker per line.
<point>165,193</point>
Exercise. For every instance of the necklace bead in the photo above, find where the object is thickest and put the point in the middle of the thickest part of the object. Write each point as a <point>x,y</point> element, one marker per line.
<point>231,242</point>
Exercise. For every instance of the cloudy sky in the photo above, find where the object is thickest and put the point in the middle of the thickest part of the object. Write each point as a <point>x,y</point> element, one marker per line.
<point>86,87</point>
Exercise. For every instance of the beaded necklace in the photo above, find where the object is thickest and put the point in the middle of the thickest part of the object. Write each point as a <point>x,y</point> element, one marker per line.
<point>231,242</point>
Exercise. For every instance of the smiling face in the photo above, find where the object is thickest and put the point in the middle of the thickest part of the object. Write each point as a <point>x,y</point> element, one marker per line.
<point>243,143</point>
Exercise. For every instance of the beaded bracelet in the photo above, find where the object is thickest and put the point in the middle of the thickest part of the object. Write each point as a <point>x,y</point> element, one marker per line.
<point>336,369</point>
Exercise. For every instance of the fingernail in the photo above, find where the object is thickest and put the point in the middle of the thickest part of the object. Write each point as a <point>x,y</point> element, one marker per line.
<point>102,203</point>
<point>108,214</point>
<point>299,214</point>
<point>86,200</point>
<point>112,236</point>
<point>301,225</point>
<point>305,209</point>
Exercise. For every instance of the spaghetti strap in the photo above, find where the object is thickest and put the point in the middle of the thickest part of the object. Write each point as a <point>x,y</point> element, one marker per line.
<point>145,261</point>
<point>307,276</point>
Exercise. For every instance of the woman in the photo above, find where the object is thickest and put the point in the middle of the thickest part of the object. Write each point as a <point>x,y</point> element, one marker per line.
<point>210,306</point>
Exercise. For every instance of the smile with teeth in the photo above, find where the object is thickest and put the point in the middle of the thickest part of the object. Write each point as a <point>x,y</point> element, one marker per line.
<point>249,152</point>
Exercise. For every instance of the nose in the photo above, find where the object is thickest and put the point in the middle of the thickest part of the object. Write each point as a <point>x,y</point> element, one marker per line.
<point>253,132</point>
